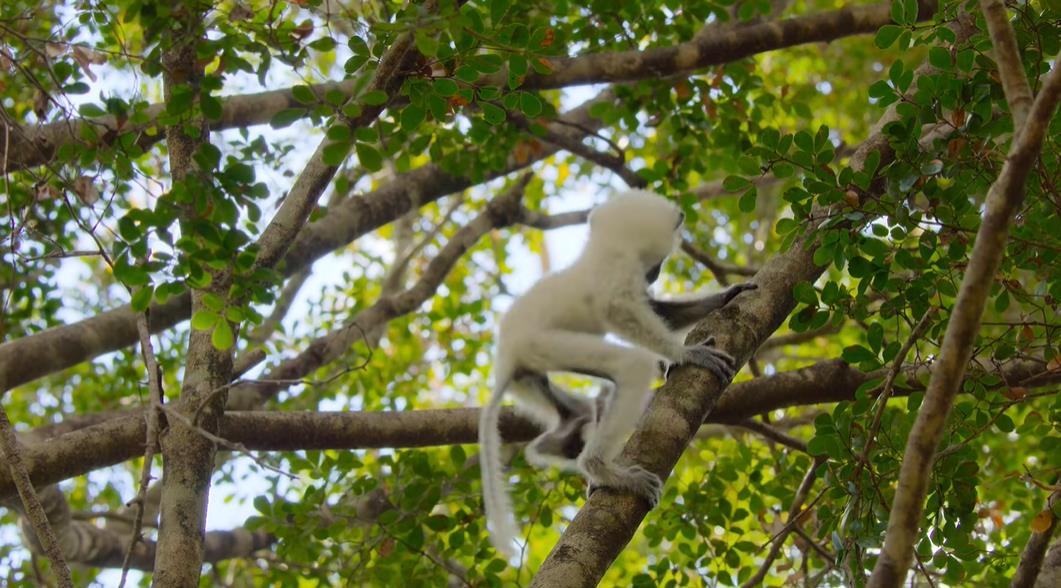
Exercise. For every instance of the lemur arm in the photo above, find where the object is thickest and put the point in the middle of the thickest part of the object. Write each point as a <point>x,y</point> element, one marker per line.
<point>632,317</point>
<point>678,314</point>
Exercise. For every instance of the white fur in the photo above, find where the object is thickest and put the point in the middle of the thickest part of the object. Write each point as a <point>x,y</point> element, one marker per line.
<point>560,325</point>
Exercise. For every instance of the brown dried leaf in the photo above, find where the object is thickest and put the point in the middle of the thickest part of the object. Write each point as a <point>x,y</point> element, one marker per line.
<point>54,49</point>
<point>1015,392</point>
<point>86,190</point>
<point>86,57</point>
<point>1042,521</point>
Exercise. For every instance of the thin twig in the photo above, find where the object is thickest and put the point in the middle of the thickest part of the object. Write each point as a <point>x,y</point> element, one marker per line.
<point>889,385</point>
<point>615,162</point>
<point>718,269</point>
<point>229,445</point>
<point>155,399</point>
<point>794,516</point>
<point>773,434</point>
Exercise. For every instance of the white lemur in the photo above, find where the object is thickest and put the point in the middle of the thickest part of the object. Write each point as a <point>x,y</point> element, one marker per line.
<point>560,325</point>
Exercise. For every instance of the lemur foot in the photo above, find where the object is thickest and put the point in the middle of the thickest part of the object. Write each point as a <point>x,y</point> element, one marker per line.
<point>633,478</point>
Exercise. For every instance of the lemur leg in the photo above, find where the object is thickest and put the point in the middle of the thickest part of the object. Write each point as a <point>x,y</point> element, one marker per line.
<point>564,415</point>
<point>632,371</point>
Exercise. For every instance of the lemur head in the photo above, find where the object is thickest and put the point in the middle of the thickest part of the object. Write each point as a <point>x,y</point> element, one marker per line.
<point>639,221</point>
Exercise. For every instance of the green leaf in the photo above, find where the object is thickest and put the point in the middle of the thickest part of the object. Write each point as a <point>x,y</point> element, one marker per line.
<point>338,132</point>
<point>467,74</point>
<point>335,153</point>
<point>426,44</point>
<point>369,157</point>
<point>530,104</point>
<point>411,117</point>
<point>747,200</point>
<point>857,354</point>
<point>887,35</point>
<point>375,98</point>
<point>494,115</point>
<point>899,12</point>
<point>211,107</point>
<point>735,183</point>
<point>222,337</point>
<point>286,117</point>
<point>213,302</point>
<point>323,44</point>
<point>90,110</point>
<point>303,94</point>
<point>204,320</point>
<point>142,298</point>
<point>804,292</point>
<point>875,337</point>
<point>939,57</point>
<point>445,87</point>
<point>517,65</point>
<point>823,256</point>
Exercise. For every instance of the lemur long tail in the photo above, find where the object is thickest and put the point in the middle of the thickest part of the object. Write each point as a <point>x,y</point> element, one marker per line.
<point>496,501</point>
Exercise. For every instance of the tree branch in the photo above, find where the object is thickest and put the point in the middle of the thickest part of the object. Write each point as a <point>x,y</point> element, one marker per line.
<point>31,508</point>
<point>1003,199</point>
<point>792,522</point>
<point>1031,559</point>
<point>64,346</point>
<point>729,44</point>
<point>1007,58</point>
<point>119,438</point>
<point>326,348</point>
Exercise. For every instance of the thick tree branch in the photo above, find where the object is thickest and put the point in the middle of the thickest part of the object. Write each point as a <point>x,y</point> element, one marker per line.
<point>38,146</point>
<point>397,63</point>
<point>1003,200</point>
<point>89,545</point>
<point>187,458</point>
<point>724,45</point>
<point>119,437</point>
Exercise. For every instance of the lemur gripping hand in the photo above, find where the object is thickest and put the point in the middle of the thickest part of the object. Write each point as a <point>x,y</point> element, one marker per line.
<point>706,355</point>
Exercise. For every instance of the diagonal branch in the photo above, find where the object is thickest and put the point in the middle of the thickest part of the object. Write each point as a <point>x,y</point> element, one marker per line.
<point>1007,57</point>
<point>1031,560</point>
<point>1003,200</point>
<point>500,212</point>
<point>64,346</point>
<point>31,503</point>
